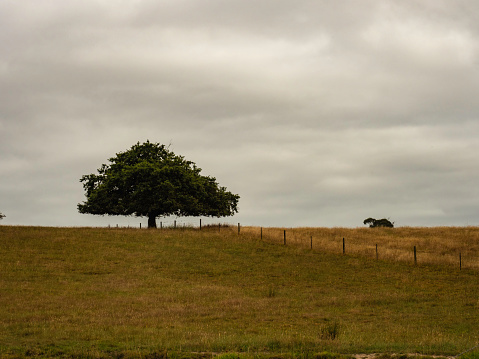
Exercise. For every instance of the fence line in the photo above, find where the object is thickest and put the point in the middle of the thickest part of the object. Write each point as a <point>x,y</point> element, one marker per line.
<point>353,249</point>
<point>293,239</point>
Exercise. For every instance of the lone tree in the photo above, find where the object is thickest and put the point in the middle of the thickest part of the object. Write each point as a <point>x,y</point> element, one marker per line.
<point>2,216</point>
<point>150,180</point>
<point>373,223</point>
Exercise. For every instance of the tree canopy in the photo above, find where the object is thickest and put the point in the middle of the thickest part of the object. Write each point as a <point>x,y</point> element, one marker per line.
<point>2,215</point>
<point>150,180</point>
<point>373,223</point>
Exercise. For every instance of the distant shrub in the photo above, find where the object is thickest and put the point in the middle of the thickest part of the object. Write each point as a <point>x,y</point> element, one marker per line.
<point>378,222</point>
<point>216,226</point>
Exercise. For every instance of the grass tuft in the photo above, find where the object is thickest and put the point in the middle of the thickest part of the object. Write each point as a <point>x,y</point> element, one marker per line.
<point>330,331</point>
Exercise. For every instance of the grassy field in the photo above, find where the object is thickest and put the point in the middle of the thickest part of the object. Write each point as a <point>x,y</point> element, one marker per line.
<point>445,246</point>
<point>92,292</point>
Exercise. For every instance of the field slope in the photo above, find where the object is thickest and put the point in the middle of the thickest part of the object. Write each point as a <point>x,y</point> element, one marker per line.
<point>110,292</point>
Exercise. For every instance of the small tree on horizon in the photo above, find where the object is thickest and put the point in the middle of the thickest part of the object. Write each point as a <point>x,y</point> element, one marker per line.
<point>150,180</point>
<point>373,223</point>
<point>2,216</point>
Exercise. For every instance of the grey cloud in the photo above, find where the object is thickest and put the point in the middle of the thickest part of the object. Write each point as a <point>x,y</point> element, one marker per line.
<point>316,113</point>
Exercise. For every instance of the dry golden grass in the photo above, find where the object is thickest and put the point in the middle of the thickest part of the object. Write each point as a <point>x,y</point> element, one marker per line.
<point>436,245</point>
<point>89,292</point>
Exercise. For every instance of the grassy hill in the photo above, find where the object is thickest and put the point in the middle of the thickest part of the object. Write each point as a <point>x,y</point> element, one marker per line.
<point>92,292</point>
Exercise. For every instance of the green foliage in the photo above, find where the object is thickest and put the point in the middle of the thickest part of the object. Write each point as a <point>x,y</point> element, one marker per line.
<point>373,223</point>
<point>328,355</point>
<point>150,180</point>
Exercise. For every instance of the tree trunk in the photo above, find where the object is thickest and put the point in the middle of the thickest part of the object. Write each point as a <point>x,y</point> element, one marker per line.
<point>151,221</point>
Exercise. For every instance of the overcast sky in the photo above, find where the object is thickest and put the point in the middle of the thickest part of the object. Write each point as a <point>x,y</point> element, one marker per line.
<point>317,113</point>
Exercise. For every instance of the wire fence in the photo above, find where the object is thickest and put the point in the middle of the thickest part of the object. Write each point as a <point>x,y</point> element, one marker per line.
<point>397,244</point>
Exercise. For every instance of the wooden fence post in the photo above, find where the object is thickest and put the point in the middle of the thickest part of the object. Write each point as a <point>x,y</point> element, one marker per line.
<point>311,242</point>
<point>140,225</point>
<point>284,237</point>
<point>238,228</point>
<point>344,246</point>
<point>415,257</point>
<point>200,224</point>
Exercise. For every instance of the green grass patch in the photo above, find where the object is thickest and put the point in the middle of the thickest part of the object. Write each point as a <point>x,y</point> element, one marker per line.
<point>83,292</point>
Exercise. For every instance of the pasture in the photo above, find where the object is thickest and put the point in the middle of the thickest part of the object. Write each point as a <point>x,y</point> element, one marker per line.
<point>97,292</point>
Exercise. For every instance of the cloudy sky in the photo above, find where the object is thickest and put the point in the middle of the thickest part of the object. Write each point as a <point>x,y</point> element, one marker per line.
<point>317,113</point>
